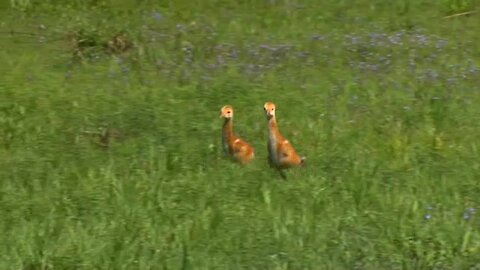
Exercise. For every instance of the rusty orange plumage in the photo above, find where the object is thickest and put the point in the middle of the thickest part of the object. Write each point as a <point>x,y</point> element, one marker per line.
<point>234,147</point>
<point>281,154</point>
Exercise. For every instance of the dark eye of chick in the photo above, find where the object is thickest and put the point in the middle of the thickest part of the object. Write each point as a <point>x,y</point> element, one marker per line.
<point>228,112</point>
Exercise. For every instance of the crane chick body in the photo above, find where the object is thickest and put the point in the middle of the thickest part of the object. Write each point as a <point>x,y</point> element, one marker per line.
<point>234,147</point>
<point>281,153</point>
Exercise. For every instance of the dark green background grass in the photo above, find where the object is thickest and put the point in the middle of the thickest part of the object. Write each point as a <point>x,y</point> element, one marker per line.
<point>381,96</point>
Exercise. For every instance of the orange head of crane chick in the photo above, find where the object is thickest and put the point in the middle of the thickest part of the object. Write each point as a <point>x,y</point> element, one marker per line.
<point>234,147</point>
<point>281,153</point>
<point>269,109</point>
<point>226,112</point>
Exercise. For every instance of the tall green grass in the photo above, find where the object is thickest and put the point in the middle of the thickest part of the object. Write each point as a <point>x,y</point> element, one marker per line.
<point>381,98</point>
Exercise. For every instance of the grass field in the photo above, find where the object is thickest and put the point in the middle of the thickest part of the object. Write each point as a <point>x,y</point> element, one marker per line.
<point>382,97</point>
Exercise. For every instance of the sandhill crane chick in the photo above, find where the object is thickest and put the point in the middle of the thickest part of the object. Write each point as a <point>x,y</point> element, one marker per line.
<point>234,147</point>
<point>281,154</point>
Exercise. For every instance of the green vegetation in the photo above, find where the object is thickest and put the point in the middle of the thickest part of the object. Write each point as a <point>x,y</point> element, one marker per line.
<point>110,154</point>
